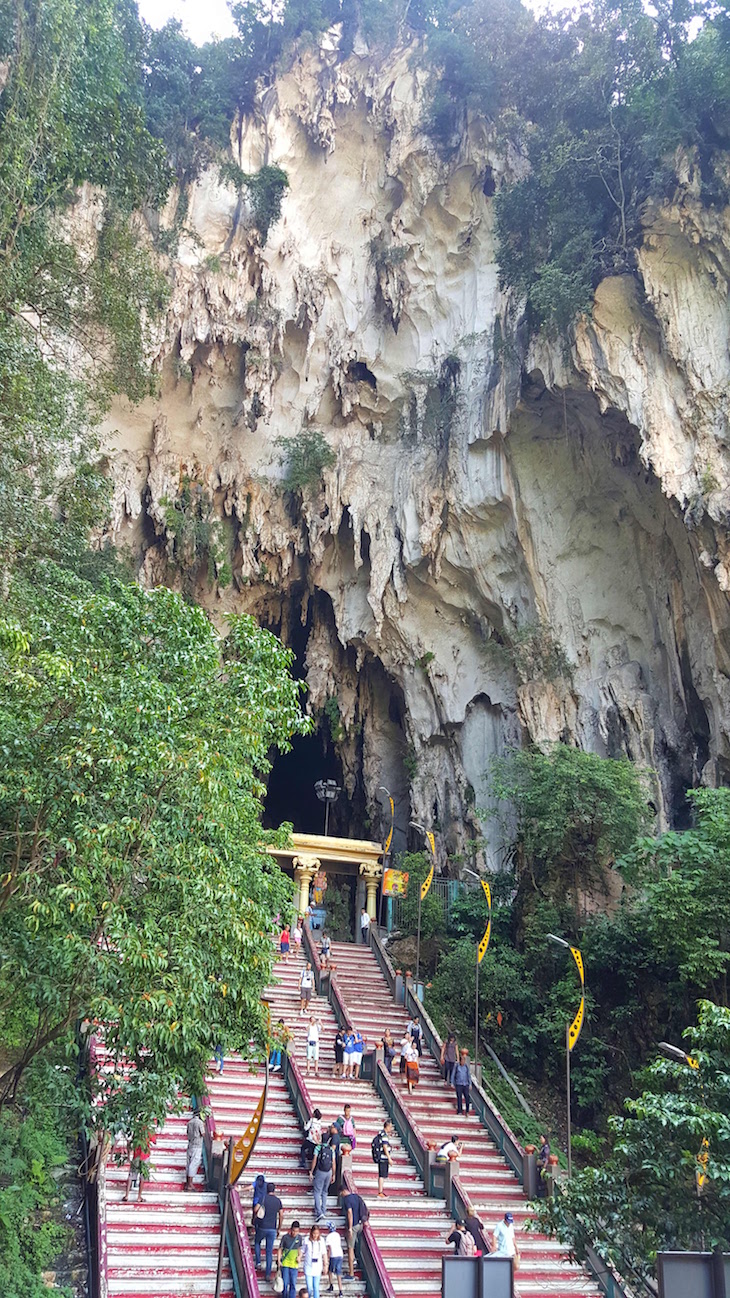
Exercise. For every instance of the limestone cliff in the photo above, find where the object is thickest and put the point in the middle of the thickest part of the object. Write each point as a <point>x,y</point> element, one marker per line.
<point>514,542</point>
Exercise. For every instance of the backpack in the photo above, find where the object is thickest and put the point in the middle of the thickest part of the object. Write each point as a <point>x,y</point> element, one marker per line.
<point>364,1212</point>
<point>259,1190</point>
<point>376,1148</point>
<point>470,1246</point>
<point>324,1159</point>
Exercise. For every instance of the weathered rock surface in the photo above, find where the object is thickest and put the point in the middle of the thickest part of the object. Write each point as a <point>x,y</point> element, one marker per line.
<point>513,543</point>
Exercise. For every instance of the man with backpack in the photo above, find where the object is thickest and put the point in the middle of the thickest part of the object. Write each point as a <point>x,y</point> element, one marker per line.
<point>356,1214</point>
<point>322,1174</point>
<point>462,1240</point>
<point>382,1151</point>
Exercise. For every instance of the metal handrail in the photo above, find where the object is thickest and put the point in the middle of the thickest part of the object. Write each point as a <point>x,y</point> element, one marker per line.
<point>405,1126</point>
<point>371,1258</point>
<point>246,1275</point>
<point>101,1235</point>
<point>381,955</point>
<point>313,955</point>
<point>490,1117</point>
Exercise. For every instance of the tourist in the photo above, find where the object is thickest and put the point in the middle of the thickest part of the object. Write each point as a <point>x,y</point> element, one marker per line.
<point>543,1164</point>
<point>313,1033</point>
<point>349,1048</point>
<point>388,1050</point>
<point>325,947</point>
<point>382,1152</point>
<point>339,1052</point>
<point>348,1128</point>
<point>315,1255</point>
<point>365,926</point>
<point>306,985</point>
<point>296,934</point>
<point>402,1064</point>
<point>356,1058</point>
<point>259,1194</point>
<point>356,1214</point>
<point>284,942</point>
<point>462,1240</point>
<point>449,1056</point>
<point>335,1257</point>
<point>289,1250</point>
<point>282,1036</point>
<point>476,1229</point>
<point>268,1225</point>
<point>312,1137</point>
<point>219,1057</point>
<point>413,1029</point>
<point>462,1082</point>
<point>412,1073</point>
<point>503,1237</point>
<point>321,1175</point>
<point>452,1148</point>
<point>194,1155</point>
<point>139,1166</point>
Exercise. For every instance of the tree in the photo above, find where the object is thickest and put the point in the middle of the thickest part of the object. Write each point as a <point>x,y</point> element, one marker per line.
<point>135,890</point>
<point>574,813</point>
<point>645,1197</point>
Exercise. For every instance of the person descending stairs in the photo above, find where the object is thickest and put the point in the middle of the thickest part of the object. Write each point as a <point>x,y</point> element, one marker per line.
<point>410,1228</point>
<point>489,1182</point>
<point>167,1244</point>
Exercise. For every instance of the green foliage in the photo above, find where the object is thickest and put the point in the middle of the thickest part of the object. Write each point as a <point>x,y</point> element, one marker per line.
<point>266,189</point>
<point>339,903</point>
<point>304,458</point>
<point>533,652</point>
<point>33,1143</point>
<point>575,813</point>
<point>417,866</point>
<point>410,761</point>
<point>425,659</point>
<point>196,533</point>
<point>650,1175</point>
<point>333,717</point>
<point>133,885</point>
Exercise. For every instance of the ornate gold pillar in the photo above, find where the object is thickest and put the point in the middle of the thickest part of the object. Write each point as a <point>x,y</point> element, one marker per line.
<point>372,872</point>
<point>305,868</point>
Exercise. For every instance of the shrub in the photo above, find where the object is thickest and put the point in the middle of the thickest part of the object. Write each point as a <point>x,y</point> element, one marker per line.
<point>304,458</point>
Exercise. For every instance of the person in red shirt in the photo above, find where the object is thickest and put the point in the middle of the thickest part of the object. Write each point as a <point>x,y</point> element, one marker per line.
<point>284,942</point>
<point>139,1166</point>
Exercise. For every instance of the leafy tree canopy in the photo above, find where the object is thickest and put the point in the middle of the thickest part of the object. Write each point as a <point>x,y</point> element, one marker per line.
<point>134,889</point>
<point>644,1197</point>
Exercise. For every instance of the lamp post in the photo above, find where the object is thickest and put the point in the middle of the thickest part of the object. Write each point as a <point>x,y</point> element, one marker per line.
<point>572,1032</point>
<point>422,892</point>
<point>481,952</point>
<point>328,791</point>
<point>386,845</point>
<point>680,1056</point>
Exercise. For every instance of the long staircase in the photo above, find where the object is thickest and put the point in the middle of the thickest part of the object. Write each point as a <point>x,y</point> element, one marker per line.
<point>410,1228</point>
<point>167,1245</point>
<point>490,1184</point>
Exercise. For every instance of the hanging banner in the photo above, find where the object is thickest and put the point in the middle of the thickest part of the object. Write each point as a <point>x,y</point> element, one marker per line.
<point>243,1148</point>
<point>395,883</point>
<point>574,1030</point>
<point>432,843</point>
<point>389,839</point>
<point>427,883</point>
<point>488,931</point>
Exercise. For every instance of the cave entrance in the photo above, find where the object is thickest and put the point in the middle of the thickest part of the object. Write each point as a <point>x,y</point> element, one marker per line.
<point>290,794</point>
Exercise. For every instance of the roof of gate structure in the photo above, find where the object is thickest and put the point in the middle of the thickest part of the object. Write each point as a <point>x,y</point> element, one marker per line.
<point>343,854</point>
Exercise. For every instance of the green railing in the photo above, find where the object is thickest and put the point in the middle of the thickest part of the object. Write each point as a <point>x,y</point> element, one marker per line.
<point>411,1137</point>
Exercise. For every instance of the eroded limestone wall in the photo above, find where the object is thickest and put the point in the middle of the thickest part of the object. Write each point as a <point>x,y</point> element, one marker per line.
<point>513,543</point>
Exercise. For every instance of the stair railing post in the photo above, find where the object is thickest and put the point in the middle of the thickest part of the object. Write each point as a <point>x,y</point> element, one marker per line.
<point>224,1218</point>
<point>418,942</point>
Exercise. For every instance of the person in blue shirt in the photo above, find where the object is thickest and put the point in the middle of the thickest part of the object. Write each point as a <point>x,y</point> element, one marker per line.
<point>349,1049</point>
<point>462,1082</point>
<point>356,1056</point>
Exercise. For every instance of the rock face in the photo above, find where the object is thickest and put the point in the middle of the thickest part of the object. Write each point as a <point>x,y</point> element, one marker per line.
<point>514,543</point>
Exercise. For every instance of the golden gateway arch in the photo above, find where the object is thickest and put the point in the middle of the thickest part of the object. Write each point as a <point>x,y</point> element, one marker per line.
<point>310,853</point>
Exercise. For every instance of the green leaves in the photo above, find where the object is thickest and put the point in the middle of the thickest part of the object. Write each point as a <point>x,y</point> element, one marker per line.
<point>137,891</point>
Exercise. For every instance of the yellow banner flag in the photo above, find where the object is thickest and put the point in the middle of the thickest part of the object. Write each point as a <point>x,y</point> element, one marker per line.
<point>579,961</point>
<point>484,943</point>
<point>703,1159</point>
<point>389,839</point>
<point>427,883</point>
<point>432,843</point>
<point>487,893</point>
<point>575,1028</point>
<point>243,1147</point>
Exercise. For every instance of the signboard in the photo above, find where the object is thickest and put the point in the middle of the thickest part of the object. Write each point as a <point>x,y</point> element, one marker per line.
<point>693,1275</point>
<point>395,883</point>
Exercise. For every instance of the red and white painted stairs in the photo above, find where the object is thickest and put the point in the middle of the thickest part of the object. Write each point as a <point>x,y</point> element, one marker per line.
<point>167,1245</point>
<point>489,1182</point>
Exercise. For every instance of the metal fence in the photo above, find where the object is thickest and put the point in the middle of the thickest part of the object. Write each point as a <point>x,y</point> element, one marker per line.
<point>447,891</point>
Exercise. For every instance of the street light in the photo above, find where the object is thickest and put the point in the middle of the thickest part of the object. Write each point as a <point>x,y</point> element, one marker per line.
<point>423,890</point>
<point>481,952</point>
<point>680,1056</point>
<point>328,791</point>
<point>572,1032</point>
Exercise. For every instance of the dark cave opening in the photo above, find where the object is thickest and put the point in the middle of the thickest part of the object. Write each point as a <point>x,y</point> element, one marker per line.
<point>290,794</point>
